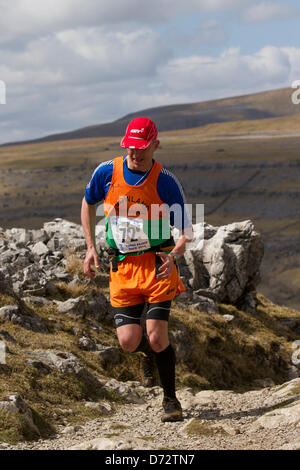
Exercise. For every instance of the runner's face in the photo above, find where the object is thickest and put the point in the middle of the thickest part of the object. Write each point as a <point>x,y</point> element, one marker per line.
<point>141,159</point>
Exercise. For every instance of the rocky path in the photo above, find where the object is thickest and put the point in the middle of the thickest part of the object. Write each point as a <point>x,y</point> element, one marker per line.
<point>265,419</point>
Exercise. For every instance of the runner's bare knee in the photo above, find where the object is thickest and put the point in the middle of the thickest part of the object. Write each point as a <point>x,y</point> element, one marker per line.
<point>129,337</point>
<point>158,340</point>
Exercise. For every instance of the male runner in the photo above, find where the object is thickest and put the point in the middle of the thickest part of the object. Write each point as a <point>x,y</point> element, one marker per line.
<point>143,269</point>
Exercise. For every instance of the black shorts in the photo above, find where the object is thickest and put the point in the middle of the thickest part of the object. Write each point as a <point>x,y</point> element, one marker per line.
<point>132,314</point>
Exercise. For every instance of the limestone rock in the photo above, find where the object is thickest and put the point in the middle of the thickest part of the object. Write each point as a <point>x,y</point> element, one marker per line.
<point>227,264</point>
<point>124,390</point>
<point>104,408</point>
<point>288,389</point>
<point>8,257</point>
<point>40,249</point>
<point>108,354</point>
<point>181,343</point>
<point>87,344</point>
<point>204,304</point>
<point>280,417</point>
<point>76,307</point>
<point>38,236</point>
<point>228,318</point>
<point>16,404</point>
<point>8,311</point>
<point>36,300</point>
<point>68,234</point>
<point>295,445</point>
<point>39,365</point>
<point>99,308</point>
<point>104,443</point>
<point>71,429</point>
<point>64,362</point>
<point>5,285</point>
<point>28,319</point>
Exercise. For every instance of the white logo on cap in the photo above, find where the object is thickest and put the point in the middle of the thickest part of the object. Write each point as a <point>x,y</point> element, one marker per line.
<point>137,131</point>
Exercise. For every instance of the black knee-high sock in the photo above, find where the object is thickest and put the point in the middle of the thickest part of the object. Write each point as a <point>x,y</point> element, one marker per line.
<point>165,361</point>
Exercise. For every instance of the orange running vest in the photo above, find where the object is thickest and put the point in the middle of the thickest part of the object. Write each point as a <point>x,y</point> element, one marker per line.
<point>125,202</point>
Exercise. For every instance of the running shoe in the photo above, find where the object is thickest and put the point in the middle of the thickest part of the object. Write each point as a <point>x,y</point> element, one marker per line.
<point>172,410</point>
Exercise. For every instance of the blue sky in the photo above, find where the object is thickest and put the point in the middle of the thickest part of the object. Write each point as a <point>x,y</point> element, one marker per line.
<point>73,63</point>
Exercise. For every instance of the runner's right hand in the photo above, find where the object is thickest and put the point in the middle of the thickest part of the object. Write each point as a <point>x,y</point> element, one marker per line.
<point>91,258</point>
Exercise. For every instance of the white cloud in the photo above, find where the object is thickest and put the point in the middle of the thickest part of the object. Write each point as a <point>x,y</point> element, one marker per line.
<point>293,54</point>
<point>85,56</point>
<point>69,63</point>
<point>44,97</point>
<point>268,10</point>
<point>115,54</point>
<point>32,17</point>
<point>199,76</point>
<point>29,18</point>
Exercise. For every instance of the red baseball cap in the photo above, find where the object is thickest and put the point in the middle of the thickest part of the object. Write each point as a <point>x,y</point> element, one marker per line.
<point>139,134</point>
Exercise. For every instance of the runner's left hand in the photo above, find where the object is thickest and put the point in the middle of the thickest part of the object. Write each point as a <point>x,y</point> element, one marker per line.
<point>167,266</point>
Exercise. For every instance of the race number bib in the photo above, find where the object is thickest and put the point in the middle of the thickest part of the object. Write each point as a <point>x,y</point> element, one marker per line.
<point>128,234</point>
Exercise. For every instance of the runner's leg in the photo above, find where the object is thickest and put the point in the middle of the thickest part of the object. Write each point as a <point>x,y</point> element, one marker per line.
<point>157,330</point>
<point>132,339</point>
<point>128,324</point>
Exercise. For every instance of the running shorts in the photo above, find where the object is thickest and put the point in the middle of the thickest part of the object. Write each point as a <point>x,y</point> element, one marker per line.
<point>135,283</point>
<point>132,315</point>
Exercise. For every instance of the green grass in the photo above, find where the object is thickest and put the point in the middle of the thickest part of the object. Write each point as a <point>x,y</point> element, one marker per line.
<point>15,429</point>
<point>233,355</point>
<point>226,356</point>
<point>203,429</point>
<point>50,394</point>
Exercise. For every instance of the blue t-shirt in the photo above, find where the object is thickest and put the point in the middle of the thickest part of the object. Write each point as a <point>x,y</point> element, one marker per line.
<point>169,190</point>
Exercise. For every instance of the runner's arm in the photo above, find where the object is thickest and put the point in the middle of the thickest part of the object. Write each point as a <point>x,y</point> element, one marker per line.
<point>180,246</point>
<point>171,193</point>
<point>88,220</point>
<point>94,193</point>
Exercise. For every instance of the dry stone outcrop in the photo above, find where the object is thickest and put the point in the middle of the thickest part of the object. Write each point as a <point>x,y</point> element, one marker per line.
<point>16,405</point>
<point>222,264</point>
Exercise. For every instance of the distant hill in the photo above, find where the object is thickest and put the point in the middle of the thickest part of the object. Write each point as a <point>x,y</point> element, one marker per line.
<point>267,104</point>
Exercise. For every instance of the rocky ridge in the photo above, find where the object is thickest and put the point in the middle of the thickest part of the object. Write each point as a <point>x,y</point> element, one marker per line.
<point>266,419</point>
<point>221,266</point>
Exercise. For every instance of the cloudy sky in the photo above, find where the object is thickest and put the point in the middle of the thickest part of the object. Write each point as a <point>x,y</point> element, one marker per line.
<point>67,64</point>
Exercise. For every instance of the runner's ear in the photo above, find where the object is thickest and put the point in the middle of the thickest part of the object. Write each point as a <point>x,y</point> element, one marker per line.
<point>157,142</point>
